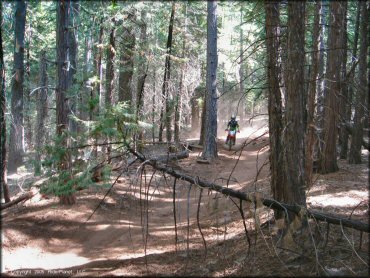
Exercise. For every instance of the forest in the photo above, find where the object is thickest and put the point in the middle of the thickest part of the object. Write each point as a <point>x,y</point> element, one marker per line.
<point>184,138</point>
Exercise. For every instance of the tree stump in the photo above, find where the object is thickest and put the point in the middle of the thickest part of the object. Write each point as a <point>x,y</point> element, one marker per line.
<point>67,199</point>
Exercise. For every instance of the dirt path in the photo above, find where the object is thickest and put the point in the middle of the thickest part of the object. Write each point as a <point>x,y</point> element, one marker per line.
<point>57,240</point>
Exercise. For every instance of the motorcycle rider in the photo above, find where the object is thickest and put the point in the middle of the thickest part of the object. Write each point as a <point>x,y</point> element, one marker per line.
<point>232,126</point>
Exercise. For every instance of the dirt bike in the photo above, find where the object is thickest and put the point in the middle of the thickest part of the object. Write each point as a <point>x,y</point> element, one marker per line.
<point>231,138</point>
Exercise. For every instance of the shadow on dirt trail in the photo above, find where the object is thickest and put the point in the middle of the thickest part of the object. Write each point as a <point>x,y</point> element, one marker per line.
<point>133,231</point>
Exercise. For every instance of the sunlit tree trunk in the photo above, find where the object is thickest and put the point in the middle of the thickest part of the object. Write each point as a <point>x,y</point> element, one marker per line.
<point>241,107</point>
<point>319,120</point>
<point>16,142</point>
<point>360,104</point>
<point>3,160</point>
<point>210,142</point>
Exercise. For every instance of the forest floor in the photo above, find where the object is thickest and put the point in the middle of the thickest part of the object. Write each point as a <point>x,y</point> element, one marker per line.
<point>133,233</point>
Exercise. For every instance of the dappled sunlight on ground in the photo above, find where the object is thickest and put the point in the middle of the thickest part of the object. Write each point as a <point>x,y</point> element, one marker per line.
<point>129,224</point>
<point>33,257</point>
<point>342,199</point>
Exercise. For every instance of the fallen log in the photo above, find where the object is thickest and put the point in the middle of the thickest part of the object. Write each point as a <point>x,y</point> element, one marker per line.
<point>171,156</point>
<point>21,198</point>
<point>271,203</point>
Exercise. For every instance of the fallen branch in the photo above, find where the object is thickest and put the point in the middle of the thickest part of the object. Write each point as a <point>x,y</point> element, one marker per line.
<point>271,203</point>
<point>21,198</point>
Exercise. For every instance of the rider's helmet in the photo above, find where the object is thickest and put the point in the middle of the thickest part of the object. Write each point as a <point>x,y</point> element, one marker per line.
<point>233,117</point>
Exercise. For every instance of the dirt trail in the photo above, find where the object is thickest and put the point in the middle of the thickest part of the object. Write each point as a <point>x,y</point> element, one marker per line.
<point>57,239</point>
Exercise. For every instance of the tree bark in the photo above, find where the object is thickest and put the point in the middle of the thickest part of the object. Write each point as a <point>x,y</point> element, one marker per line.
<point>313,85</point>
<point>73,57</point>
<point>143,67</point>
<point>165,117</point>
<point>359,117</point>
<point>348,112</point>
<point>153,103</point>
<point>328,156</point>
<point>210,144</point>
<point>127,61</point>
<point>99,64</point>
<point>3,158</point>
<point>16,146</point>
<point>109,75</point>
<point>241,105</point>
<point>42,111</point>
<point>202,134</point>
<point>194,114</point>
<point>88,95</point>
<point>343,134</point>
<point>181,92</point>
<point>321,91</point>
<point>28,132</point>
<point>274,101</point>
<point>295,127</point>
<point>63,71</point>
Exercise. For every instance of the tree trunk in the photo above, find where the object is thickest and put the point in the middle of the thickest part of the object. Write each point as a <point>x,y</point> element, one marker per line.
<point>99,64</point>
<point>359,118</point>
<point>42,111</point>
<point>181,91</point>
<point>127,61</point>
<point>350,78</point>
<point>16,146</point>
<point>194,114</point>
<point>274,101</point>
<point>241,104</point>
<point>143,67</point>
<point>343,134</point>
<point>294,135</point>
<point>313,85</point>
<point>202,134</point>
<point>109,75</point>
<point>210,144</point>
<point>3,160</point>
<point>166,118</point>
<point>73,56</point>
<point>153,102</point>
<point>321,86</point>
<point>86,111</point>
<point>28,134</point>
<point>328,159</point>
<point>63,71</point>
